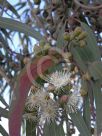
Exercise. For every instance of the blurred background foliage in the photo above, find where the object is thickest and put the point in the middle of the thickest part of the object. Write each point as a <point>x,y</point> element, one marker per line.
<point>25,23</point>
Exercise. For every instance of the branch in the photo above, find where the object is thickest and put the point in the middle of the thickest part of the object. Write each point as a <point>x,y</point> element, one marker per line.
<point>87,7</point>
<point>2,73</point>
<point>4,113</point>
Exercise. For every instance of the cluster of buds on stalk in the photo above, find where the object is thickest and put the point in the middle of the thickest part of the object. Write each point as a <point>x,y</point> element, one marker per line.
<point>78,35</point>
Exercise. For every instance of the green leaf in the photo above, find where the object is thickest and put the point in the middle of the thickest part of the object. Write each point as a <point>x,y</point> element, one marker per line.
<point>98,102</point>
<point>3,131</point>
<point>3,101</point>
<point>53,129</point>
<point>20,5</point>
<point>95,70</point>
<point>80,124</point>
<point>86,111</point>
<point>7,35</point>
<point>30,128</point>
<point>13,25</point>
<point>78,59</point>
<point>4,113</point>
<point>6,4</point>
<point>60,39</point>
<point>86,103</point>
<point>85,54</point>
<point>91,42</point>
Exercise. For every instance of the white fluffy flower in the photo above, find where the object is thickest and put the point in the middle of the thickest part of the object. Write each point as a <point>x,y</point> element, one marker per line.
<point>59,79</point>
<point>37,99</point>
<point>73,101</point>
<point>49,112</point>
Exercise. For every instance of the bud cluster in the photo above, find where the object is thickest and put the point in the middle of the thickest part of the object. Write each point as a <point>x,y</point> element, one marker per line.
<point>77,35</point>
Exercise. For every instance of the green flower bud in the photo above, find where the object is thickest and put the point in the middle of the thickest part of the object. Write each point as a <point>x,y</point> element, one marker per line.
<point>36,49</point>
<point>66,36</point>
<point>72,36</point>
<point>77,31</point>
<point>68,56</point>
<point>83,92</point>
<point>82,43</point>
<point>82,36</point>
<point>42,42</point>
<point>47,46</point>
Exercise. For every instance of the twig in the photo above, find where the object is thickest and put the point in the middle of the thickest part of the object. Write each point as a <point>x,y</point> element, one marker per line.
<point>87,7</point>
<point>3,6</point>
<point>2,73</point>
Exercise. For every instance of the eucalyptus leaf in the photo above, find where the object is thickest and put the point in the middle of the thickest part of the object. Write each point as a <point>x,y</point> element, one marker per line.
<point>3,131</point>
<point>78,59</point>
<point>30,128</point>
<point>13,25</point>
<point>60,39</point>
<point>98,102</point>
<point>53,129</point>
<point>3,101</point>
<point>80,124</point>
<point>91,42</point>
<point>86,102</point>
<point>86,111</point>
<point>95,70</point>
<point>4,113</point>
<point>6,4</point>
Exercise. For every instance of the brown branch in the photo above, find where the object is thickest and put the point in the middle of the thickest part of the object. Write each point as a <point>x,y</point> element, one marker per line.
<point>87,7</point>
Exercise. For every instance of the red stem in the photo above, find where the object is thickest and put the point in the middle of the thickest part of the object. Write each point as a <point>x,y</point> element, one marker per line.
<point>22,89</point>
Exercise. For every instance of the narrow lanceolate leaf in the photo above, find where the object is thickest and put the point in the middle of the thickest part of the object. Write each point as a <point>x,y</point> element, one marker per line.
<point>95,70</point>
<point>4,113</point>
<point>3,101</point>
<point>3,131</point>
<point>80,124</point>
<point>13,25</point>
<point>86,111</point>
<point>78,59</point>
<point>98,102</point>
<point>60,39</point>
<point>86,104</point>
<point>91,42</point>
<point>30,128</point>
<point>6,4</point>
<point>53,129</point>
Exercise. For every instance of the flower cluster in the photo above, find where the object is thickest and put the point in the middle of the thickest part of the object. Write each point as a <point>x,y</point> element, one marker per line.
<point>47,105</point>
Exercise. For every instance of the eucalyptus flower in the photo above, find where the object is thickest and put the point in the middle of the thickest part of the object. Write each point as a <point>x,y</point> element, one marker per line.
<point>59,79</point>
<point>37,99</point>
<point>72,103</point>
<point>49,112</point>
